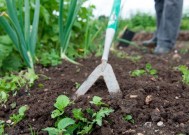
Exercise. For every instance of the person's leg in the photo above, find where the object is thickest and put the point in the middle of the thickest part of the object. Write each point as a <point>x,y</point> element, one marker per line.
<point>159,5</point>
<point>159,10</point>
<point>169,25</point>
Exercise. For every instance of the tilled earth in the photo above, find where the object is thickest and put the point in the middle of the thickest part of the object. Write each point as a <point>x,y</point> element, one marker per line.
<point>158,105</point>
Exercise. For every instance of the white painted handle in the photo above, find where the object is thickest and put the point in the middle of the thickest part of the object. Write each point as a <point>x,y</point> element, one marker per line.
<point>108,41</point>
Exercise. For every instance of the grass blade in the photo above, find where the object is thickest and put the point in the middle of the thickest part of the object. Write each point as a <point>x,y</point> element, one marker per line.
<point>27,22</point>
<point>65,31</point>
<point>8,29</point>
<point>20,5</point>
<point>60,23</point>
<point>33,38</point>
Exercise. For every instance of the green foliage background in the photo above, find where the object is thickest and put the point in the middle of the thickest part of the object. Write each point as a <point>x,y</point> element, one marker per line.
<point>87,34</point>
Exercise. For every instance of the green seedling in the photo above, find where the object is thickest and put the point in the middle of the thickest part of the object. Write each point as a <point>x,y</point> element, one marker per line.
<point>15,118</point>
<point>50,58</point>
<point>79,115</point>
<point>41,85</point>
<point>3,97</point>
<point>32,132</point>
<point>62,127</point>
<point>61,103</point>
<point>77,123</point>
<point>183,51</point>
<point>138,72</point>
<point>77,85</point>
<point>101,114</point>
<point>121,54</point>
<point>129,118</point>
<point>2,126</point>
<point>13,105</point>
<point>12,83</point>
<point>185,73</point>
<point>148,70</point>
<point>97,101</point>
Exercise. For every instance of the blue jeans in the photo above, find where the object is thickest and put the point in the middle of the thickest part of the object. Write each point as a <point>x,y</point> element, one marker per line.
<point>169,15</point>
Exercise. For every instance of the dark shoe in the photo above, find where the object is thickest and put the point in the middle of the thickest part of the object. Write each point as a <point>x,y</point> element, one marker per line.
<point>152,43</point>
<point>126,38</point>
<point>161,50</point>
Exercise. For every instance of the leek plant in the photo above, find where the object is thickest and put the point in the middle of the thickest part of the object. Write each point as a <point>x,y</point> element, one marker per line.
<point>19,29</point>
<point>66,27</point>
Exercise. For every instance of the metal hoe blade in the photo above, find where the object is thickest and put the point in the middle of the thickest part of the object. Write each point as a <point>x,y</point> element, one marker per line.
<point>109,78</point>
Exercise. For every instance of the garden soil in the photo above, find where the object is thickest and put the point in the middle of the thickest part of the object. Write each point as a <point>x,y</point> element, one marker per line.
<point>158,105</point>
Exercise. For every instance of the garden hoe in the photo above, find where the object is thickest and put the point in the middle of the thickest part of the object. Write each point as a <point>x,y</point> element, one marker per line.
<point>104,69</point>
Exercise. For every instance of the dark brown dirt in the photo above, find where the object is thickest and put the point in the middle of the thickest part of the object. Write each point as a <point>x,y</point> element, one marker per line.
<point>169,96</point>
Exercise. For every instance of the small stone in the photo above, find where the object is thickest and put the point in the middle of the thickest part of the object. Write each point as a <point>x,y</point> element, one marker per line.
<point>153,79</point>
<point>160,124</point>
<point>8,121</point>
<point>176,57</point>
<point>140,134</point>
<point>148,99</point>
<point>182,125</point>
<point>148,124</point>
<point>129,131</point>
<point>176,97</point>
<point>85,74</point>
<point>45,90</point>
<point>133,96</point>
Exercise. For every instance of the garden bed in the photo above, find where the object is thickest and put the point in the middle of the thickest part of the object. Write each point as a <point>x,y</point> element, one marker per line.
<point>169,97</point>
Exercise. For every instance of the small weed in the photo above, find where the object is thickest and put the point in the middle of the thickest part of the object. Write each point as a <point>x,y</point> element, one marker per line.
<point>185,73</point>
<point>183,51</point>
<point>121,54</point>
<point>12,82</point>
<point>78,123</point>
<point>13,105</point>
<point>32,132</point>
<point>61,103</point>
<point>3,97</point>
<point>148,70</point>
<point>41,85</point>
<point>15,118</point>
<point>49,58</point>
<point>97,101</point>
<point>77,85</point>
<point>129,118</point>
<point>2,126</point>
<point>138,72</point>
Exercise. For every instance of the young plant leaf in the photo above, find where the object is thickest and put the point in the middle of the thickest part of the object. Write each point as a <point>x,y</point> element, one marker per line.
<point>138,72</point>
<point>97,101</point>
<point>64,123</point>
<point>101,114</point>
<point>61,102</point>
<point>185,73</point>
<point>129,118</point>
<point>56,113</point>
<point>52,131</point>
<point>148,66</point>
<point>78,114</point>
<point>86,130</point>
<point>22,110</point>
<point>153,72</point>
